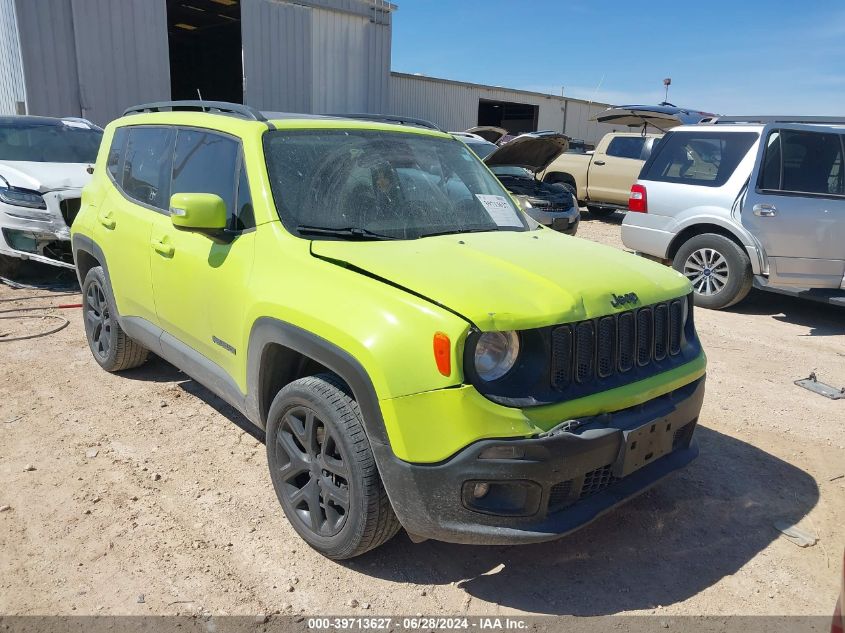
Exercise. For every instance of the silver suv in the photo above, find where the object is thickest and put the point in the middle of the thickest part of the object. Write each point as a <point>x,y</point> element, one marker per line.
<point>735,203</point>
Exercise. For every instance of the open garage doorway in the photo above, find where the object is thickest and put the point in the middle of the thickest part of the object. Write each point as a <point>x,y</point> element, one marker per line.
<point>205,49</point>
<point>516,118</point>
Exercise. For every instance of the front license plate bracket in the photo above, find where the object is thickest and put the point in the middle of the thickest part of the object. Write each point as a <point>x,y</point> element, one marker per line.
<point>644,445</point>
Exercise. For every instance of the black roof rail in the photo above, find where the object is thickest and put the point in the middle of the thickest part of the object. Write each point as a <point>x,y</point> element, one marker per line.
<point>213,107</point>
<point>818,120</point>
<point>391,118</point>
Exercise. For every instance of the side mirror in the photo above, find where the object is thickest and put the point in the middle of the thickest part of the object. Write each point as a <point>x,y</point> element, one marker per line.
<point>198,211</point>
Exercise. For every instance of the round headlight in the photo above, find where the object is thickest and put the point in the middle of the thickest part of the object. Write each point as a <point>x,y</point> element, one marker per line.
<point>495,354</point>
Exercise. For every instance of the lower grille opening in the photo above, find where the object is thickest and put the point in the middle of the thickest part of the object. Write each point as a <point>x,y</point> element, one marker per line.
<point>560,495</point>
<point>681,437</point>
<point>597,480</point>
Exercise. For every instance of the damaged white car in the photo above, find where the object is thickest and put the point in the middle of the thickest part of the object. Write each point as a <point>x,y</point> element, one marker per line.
<point>44,163</point>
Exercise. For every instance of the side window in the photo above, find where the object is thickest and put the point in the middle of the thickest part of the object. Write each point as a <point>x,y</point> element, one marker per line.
<point>770,173</point>
<point>244,217</point>
<point>626,146</point>
<point>803,162</point>
<point>146,171</point>
<point>205,162</point>
<point>114,162</point>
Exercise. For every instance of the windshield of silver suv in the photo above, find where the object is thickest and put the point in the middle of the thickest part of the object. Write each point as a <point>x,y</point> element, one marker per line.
<point>370,184</point>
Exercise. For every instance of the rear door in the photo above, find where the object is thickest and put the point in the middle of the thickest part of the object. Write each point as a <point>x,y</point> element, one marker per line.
<point>795,206</point>
<point>139,167</point>
<point>614,170</point>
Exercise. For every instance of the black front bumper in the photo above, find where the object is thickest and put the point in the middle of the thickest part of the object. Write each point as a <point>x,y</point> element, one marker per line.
<point>561,480</point>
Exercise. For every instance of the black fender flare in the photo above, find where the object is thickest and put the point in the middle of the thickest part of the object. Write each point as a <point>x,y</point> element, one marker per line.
<point>267,331</point>
<point>87,245</point>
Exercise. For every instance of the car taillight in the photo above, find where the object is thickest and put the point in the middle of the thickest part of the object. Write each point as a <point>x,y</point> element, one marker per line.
<point>638,201</point>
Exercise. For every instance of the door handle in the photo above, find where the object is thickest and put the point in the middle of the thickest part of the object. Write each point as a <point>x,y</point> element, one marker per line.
<point>106,218</point>
<point>598,162</point>
<point>163,247</point>
<point>765,210</point>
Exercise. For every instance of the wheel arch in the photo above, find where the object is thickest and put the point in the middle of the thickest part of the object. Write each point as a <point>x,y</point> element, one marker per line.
<point>86,255</point>
<point>280,352</point>
<point>560,177</point>
<point>692,230</point>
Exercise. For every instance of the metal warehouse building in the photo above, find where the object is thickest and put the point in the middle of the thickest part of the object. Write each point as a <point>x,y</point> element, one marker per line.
<point>94,58</point>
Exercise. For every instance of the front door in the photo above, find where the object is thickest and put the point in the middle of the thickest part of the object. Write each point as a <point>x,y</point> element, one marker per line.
<point>199,278</point>
<point>795,206</point>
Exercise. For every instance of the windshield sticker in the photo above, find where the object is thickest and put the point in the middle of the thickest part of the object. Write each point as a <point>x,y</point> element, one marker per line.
<point>499,209</point>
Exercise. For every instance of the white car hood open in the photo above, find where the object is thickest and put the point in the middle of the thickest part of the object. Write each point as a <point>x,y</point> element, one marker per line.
<point>44,176</point>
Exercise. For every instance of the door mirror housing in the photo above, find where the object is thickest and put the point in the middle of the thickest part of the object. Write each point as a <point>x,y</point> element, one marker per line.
<point>204,212</point>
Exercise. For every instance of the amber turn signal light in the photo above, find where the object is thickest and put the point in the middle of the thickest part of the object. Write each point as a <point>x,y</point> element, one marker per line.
<point>443,353</point>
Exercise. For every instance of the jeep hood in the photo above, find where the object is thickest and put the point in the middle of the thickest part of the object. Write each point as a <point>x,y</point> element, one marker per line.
<point>504,280</point>
<point>43,176</point>
<point>534,151</point>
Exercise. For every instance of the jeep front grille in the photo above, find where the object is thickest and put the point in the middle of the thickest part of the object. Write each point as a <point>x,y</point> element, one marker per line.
<point>600,348</point>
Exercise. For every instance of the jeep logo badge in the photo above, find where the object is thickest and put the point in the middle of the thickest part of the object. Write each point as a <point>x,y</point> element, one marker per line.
<point>619,301</point>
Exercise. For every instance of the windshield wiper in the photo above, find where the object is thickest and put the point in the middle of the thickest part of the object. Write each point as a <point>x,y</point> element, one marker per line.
<point>455,231</point>
<point>351,232</point>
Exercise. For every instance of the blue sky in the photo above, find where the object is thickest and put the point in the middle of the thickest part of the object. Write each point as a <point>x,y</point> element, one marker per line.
<point>741,57</point>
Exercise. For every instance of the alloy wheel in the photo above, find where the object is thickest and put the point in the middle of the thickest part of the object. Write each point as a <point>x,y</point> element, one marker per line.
<point>98,319</point>
<point>314,471</point>
<point>707,270</point>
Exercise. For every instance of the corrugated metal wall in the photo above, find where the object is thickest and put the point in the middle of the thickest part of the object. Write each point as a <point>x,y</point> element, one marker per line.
<point>329,56</point>
<point>122,49</point>
<point>49,57</point>
<point>93,58</point>
<point>12,88</point>
<point>454,105</point>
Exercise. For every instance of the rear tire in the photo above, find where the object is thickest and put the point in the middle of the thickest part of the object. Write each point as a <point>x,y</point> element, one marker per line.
<point>323,469</point>
<point>600,212</point>
<point>112,348</point>
<point>717,267</point>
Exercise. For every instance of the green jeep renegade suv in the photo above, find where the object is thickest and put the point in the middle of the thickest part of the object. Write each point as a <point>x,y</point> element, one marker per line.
<point>418,353</point>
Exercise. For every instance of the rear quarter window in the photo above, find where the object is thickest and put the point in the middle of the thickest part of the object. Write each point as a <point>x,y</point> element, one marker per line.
<point>698,158</point>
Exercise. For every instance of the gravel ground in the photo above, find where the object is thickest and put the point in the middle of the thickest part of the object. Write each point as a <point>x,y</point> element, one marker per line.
<point>145,494</point>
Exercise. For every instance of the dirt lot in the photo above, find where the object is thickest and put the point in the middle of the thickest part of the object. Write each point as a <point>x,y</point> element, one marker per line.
<point>145,494</point>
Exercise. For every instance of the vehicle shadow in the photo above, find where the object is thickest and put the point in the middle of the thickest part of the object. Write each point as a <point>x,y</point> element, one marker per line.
<point>821,318</point>
<point>684,535</point>
<point>157,369</point>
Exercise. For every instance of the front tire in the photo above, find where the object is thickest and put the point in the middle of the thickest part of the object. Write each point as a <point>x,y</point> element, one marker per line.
<point>719,270</point>
<point>111,346</point>
<point>323,469</point>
